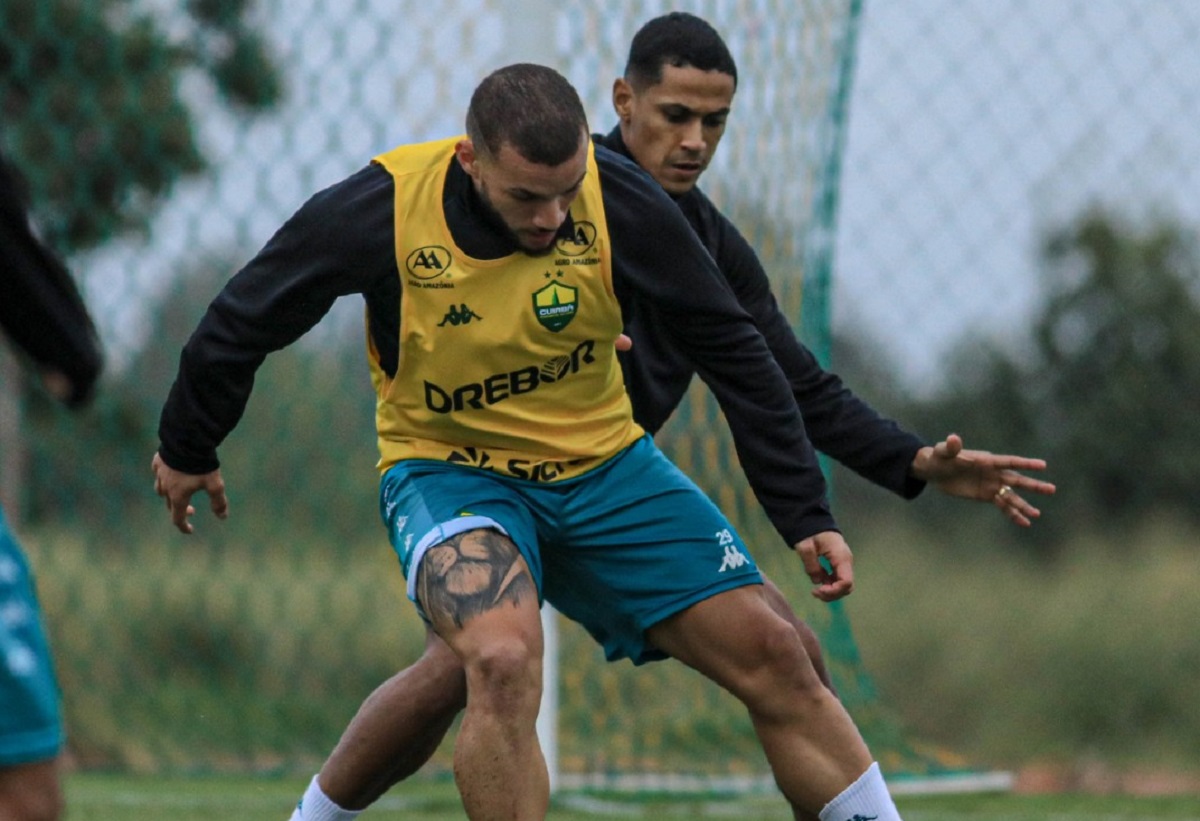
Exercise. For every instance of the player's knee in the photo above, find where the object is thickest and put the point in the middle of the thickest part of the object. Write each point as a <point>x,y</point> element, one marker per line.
<point>507,673</point>
<point>781,664</point>
<point>780,647</point>
<point>505,661</point>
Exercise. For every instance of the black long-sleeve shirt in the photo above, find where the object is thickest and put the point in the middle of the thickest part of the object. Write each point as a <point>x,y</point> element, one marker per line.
<point>839,424</point>
<point>341,242</point>
<point>40,307</point>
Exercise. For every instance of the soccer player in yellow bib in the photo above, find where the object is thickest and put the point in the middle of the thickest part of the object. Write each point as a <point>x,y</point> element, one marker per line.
<point>673,103</point>
<point>512,468</point>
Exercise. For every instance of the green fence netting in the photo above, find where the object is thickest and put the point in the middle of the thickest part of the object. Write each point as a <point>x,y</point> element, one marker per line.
<point>870,159</point>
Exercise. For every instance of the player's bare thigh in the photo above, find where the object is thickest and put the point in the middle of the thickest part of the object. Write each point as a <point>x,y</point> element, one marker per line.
<point>473,574</point>
<point>735,637</point>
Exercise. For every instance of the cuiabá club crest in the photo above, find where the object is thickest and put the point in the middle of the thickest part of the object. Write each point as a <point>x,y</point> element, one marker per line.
<point>555,305</point>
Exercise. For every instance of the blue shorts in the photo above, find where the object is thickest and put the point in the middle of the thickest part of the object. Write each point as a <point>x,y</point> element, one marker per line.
<point>30,722</point>
<point>618,549</point>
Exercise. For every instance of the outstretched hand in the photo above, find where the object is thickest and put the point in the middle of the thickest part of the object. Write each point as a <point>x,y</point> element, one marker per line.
<point>838,581</point>
<point>982,476</point>
<point>177,488</point>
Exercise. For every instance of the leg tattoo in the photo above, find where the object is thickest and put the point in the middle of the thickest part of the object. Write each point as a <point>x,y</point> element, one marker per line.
<point>469,574</point>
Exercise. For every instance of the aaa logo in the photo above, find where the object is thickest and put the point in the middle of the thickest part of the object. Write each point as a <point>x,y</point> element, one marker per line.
<point>579,241</point>
<point>555,305</point>
<point>428,262</point>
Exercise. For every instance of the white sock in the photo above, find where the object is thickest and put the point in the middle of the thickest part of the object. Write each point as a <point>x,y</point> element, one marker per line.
<point>867,799</point>
<point>317,806</point>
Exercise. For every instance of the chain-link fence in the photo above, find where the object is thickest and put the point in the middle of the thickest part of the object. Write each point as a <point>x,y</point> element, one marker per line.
<point>979,128</point>
<point>162,148</point>
<point>1016,253</point>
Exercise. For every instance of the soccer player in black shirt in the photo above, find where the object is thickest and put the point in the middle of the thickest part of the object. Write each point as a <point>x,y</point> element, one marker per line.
<point>512,467</point>
<point>672,104</point>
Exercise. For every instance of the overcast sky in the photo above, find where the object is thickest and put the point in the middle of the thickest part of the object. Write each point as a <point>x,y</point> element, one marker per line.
<point>975,125</point>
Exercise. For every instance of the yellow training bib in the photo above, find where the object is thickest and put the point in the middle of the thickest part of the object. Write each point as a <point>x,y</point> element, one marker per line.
<point>506,364</point>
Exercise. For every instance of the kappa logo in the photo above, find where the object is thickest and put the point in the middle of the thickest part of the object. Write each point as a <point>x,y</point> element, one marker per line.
<point>428,262</point>
<point>459,315</point>
<point>734,558</point>
<point>555,305</point>
<point>579,241</point>
<point>400,526</point>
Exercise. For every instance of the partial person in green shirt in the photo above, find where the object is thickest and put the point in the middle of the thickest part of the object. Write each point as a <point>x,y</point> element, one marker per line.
<point>44,316</point>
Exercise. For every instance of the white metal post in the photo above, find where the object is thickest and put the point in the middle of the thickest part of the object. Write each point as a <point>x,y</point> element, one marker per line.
<point>530,27</point>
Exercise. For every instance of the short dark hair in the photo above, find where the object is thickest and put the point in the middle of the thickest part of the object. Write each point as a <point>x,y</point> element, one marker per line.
<point>532,108</point>
<point>678,39</point>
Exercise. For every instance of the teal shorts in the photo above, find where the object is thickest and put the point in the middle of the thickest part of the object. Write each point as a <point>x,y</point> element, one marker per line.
<point>617,550</point>
<point>30,722</point>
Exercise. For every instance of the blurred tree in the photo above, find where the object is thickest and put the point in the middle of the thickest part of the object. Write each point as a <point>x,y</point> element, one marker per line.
<point>1118,365</point>
<point>93,113</point>
<point>92,109</point>
<point>1103,386</point>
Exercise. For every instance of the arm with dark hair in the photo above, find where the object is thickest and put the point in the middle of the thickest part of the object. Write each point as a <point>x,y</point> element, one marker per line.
<point>41,309</point>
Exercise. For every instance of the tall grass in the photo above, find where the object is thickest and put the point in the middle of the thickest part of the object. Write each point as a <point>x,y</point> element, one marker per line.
<point>183,655</point>
<point>1092,653</point>
<point>186,657</point>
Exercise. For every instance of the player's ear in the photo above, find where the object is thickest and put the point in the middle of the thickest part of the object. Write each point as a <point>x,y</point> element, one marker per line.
<point>622,98</point>
<point>464,151</point>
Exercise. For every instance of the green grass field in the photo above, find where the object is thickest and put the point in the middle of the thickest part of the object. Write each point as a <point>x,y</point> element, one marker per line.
<point>97,797</point>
